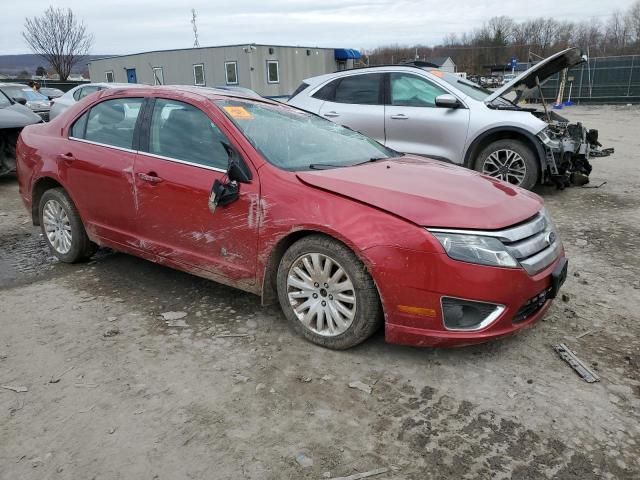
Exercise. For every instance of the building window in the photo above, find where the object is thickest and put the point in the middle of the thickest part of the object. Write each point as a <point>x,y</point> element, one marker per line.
<point>109,76</point>
<point>273,72</point>
<point>231,72</point>
<point>198,75</point>
<point>158,76</point>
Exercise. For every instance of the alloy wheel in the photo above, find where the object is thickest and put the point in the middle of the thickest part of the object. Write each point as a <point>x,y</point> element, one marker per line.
<point>321,294</point>
<point>505,165</point>
<point>57,226</point>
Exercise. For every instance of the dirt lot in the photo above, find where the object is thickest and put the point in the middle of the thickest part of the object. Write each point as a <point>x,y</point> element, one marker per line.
<point>115,393</point>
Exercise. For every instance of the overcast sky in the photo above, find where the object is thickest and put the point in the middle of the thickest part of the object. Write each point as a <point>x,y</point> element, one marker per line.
<point>129,26</point>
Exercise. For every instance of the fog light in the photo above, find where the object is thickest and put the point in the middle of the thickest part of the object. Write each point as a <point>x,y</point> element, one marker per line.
<point>467,315</point>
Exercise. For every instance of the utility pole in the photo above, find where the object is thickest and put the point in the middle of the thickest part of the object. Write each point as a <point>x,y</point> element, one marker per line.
<point>196,43</point>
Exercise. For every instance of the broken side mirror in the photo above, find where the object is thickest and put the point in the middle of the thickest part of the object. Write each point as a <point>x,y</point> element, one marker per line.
<point>237,170</point>
<point>227,190</point>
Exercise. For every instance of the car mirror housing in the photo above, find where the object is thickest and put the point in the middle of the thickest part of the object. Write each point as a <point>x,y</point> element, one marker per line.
<point>447,101</point>
<point>21,101</point>
<point>237,170</point>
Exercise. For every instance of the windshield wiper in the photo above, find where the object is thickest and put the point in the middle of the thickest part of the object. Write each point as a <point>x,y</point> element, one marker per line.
<point>325,166</point>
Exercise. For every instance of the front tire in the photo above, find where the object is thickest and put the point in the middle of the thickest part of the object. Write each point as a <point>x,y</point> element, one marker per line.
<point>62,227</point>
<point>327,294</point>
<point>511,161</point>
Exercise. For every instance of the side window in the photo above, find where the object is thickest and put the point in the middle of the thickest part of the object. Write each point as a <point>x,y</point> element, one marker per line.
<point>359,89</point>
<point>327,92</point>
<point>113,122</point>
<point>77,93</point>
<point>183,132</point>
<point>84,91</point>
<point>79,127</point>
<point>409,90</point>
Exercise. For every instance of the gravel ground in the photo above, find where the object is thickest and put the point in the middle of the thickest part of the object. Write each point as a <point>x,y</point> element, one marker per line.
<point>114,392</point>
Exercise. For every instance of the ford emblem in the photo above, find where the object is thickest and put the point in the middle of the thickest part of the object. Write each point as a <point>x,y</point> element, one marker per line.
<point>550,238</point>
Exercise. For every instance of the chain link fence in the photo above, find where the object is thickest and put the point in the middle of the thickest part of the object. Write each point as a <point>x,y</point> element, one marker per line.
<point>600,80</point>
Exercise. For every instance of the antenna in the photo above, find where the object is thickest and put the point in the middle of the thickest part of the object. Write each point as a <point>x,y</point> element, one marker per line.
<point>196,43</point>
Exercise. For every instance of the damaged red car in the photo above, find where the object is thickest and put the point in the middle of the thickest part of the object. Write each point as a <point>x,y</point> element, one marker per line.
<point>345,233</point>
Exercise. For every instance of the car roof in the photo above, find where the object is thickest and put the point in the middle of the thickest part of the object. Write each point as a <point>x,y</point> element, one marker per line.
<point>376,68</point>
<point>206,92</point>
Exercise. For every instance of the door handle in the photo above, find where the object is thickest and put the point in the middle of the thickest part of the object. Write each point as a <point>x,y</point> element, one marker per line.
<point>331,114</point>
<point>400,116</point>
<point>66,156</point>
<point>150,177</point>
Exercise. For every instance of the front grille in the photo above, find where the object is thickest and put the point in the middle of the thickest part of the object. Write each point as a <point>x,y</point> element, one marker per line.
<point>44,115</point>
<point>532,306</point>
<point>534,243</point>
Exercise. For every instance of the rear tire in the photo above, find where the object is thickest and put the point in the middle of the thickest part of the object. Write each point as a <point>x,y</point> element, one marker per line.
<point>511,161</point>
<point>327,294</point>
<point>62,227</point>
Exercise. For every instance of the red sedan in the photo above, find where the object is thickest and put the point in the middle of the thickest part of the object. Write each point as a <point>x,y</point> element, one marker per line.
<point>344,232</point>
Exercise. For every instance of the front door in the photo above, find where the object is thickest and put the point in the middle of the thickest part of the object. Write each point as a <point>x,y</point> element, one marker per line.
<point>357,102</point>
<point>131,75</point>
<point>97,163</point>
<point>413,123</point>
<point>178,163</point>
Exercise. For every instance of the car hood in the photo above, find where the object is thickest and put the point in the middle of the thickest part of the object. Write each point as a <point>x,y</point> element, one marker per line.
<point>17,116</point>
<point>542,70</point>
<point>430,193</point>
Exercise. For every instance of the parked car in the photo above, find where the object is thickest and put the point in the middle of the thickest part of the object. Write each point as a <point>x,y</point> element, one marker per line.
<point>51,93</point>
<point>429,112</point>
<point>78,93</point>
<point>25,95</point>
<point>13,118</point>
<point>346,233</point>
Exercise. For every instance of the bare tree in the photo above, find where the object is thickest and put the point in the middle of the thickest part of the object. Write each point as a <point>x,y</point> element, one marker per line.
<point>58,37</point>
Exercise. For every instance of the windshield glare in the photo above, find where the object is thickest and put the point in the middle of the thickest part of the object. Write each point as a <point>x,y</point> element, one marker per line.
<point>471,89</point>
<point>294,140</point>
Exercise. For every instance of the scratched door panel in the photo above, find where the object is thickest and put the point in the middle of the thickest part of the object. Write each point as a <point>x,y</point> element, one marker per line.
<point>175,221</point>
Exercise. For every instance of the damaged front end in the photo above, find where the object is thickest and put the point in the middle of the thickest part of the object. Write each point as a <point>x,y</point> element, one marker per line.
<point>568,149</point>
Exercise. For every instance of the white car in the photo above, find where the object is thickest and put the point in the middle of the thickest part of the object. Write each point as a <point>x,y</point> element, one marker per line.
<point>76,94</point>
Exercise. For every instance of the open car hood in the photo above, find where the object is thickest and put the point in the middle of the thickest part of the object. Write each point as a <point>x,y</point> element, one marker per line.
<point>542,70</point>
<point>430,193</point>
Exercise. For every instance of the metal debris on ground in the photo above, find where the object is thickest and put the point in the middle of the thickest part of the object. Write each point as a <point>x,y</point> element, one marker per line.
<point>16,389</point>
<point>588,332</point>
<point>358,476</point>
<point>568,356</point>
<point>594,186</point>
<point>59,377</point>
<point>363,387</point>
<point>232,335</point>
<point>173,315</point>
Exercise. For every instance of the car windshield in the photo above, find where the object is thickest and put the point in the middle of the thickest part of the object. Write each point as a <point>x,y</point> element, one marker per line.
<point>474,90</point>
<point>294,140</point>
<point>30,95</point>
<point>4,100</point>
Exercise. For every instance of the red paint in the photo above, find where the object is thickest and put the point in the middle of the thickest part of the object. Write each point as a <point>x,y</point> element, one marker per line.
<point>377,209</point>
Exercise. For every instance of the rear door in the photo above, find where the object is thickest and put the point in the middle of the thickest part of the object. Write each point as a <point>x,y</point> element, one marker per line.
<point>96,163</point>
<point>181,155</point>
<point>356,101</point>
<point>414,124</point>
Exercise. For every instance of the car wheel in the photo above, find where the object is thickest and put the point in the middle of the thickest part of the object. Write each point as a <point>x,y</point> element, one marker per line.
<point>327,294</point>
<point>511,161</point>
<point>62,227</point>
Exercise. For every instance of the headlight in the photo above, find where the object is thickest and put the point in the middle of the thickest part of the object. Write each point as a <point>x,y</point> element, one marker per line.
<point>476,249</point>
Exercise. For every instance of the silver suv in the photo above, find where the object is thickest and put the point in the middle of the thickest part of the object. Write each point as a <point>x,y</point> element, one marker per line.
<point>443,116</point>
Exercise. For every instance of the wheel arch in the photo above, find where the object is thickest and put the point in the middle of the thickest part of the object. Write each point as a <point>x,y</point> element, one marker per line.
<point>269,292</point>
<point>503,133</point>
<point>39,187</point>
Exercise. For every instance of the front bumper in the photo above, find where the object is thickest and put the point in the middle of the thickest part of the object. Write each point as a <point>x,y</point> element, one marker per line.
<point>412,284</point>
